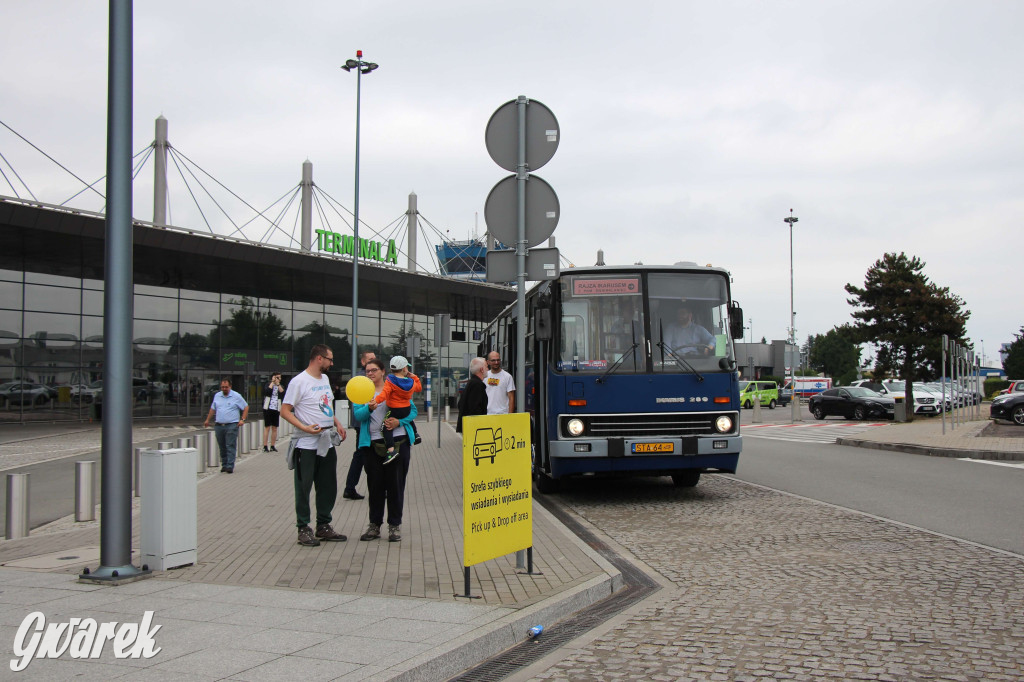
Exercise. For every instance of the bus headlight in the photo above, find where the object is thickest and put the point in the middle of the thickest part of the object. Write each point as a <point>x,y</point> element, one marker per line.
<point>574,427</point>
<point>723,424</point>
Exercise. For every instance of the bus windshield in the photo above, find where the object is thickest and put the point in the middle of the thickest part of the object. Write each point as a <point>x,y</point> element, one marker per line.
<point>608,319</point>
<point>689,320</point>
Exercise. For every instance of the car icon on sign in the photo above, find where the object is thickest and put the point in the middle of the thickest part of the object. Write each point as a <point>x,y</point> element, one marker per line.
<point>486,444</point>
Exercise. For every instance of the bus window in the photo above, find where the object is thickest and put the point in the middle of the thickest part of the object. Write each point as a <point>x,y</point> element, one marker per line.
<point>689,319</point>
<point>603,324</point>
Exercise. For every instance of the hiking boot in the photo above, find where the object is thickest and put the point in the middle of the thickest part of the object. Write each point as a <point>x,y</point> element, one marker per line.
<point>326,533</point>
<point>372,532</point>
<point>394,533</point>
<point>391,455</point>
<point>306,537</point>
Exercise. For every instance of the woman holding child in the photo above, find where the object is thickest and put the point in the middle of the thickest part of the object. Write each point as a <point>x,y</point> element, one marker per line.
<point>385,483</point>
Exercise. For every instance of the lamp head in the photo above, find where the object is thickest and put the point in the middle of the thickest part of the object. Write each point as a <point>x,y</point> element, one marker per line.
<point>350,64</point>
<point>368,67</point>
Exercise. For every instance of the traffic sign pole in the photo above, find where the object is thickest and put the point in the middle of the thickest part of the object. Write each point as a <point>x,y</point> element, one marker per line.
<point>521,245</point>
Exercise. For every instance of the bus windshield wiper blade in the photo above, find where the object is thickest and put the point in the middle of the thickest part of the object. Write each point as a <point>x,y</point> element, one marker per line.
<point>618,362</point>
<point>679,360</point>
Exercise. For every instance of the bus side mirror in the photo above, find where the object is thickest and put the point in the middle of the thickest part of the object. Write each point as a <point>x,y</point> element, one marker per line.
<point>542,324</point>
<point>727,363</point>
<point>736,321</point>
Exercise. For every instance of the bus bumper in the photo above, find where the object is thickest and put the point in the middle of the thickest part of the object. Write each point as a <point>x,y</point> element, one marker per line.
<point>566,460</point>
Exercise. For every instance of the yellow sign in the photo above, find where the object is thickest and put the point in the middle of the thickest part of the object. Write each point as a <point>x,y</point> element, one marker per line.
<point>497,488</point>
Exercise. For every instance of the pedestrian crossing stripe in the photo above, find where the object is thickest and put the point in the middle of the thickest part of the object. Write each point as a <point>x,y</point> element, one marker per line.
<point>826,432</point>
<point>812,426</point>
<point>1015,465</point>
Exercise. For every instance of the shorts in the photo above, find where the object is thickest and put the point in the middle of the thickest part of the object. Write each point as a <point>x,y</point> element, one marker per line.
<point>271,418</point>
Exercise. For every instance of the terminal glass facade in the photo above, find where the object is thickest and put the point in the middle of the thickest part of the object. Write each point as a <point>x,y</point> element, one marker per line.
<point>184,342</point>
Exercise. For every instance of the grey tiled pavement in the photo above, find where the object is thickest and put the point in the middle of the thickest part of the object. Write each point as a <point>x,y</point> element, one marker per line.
<point>259,607</point>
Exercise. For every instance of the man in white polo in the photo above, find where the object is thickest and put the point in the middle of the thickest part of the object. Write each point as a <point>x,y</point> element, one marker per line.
<point>501,388</point>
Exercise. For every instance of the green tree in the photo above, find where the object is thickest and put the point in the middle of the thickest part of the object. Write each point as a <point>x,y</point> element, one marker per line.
<point>1014,363</point>
<point>905,315</point>
<point>834,354</point>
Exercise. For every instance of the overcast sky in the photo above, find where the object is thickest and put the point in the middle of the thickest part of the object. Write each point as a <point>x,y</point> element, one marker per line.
<point>688,130</point>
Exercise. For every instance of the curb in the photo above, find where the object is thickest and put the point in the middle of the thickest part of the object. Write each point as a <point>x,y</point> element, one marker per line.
<point>932,451</point>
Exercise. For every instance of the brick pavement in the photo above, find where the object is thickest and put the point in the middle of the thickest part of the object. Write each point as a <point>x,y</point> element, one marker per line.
<point>768,585</point>
<point>247,537</point>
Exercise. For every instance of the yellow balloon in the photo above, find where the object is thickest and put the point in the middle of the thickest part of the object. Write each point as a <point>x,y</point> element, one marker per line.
<point>359,390</point>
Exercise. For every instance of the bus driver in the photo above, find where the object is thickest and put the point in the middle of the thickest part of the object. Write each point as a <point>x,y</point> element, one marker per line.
<point>687,337</point>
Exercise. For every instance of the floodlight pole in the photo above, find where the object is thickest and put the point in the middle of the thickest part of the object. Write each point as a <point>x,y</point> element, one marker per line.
<point>361,67</point>
<point>792,321</point>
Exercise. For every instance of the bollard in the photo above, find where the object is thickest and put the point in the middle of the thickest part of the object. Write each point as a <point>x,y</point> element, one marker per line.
<point>200,442</point>
<point>756,419</point>
<point>240,443</point>
<point>447,413</point>
<point>137,469</point>
<point>212,450</point>
<point>254,436</point>
<point>798,415</point>
<point>164,445</point>
<point>16,521</point>
<point>184,443</point>
<point>85,491</point>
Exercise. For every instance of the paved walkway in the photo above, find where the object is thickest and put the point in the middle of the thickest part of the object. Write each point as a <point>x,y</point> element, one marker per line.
<point>258,606</point>
<point>925,436</point>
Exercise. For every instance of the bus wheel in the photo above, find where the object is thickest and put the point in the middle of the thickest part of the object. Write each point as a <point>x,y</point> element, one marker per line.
<point>686,479</point>
<point>546,485</point>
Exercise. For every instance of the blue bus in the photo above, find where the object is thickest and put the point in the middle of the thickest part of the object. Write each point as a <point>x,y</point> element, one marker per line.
<point>629,370</point>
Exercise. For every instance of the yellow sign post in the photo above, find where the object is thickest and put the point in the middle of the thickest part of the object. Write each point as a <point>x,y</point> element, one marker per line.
<point>497,487</point>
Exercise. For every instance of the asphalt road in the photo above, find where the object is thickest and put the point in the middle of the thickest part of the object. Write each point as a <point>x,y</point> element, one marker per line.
<point>980,502</point>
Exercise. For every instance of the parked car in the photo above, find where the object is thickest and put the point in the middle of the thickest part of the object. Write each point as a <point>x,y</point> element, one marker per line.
<point>1016,386</point>
<point>923,403</point>
<point>25,393</point>
<point>786,394</point>
<point>766,391</point>
<point>1009,407</point>
<point>937,394</point>
<point>852,402</point>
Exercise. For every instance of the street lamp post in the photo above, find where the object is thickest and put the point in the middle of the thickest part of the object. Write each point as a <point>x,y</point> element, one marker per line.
<point>792,316</point>
<point>361,67</point>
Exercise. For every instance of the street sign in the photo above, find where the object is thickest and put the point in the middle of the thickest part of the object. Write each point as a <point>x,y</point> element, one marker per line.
<point>541,264</point>
<point>542,211</point>
<point>502,135</point>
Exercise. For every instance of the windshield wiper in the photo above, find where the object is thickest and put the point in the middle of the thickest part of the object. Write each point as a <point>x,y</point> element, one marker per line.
<point>679,361</point>
<point>632,349</point>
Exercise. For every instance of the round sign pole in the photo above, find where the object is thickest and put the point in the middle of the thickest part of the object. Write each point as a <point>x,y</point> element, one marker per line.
<point>521,176</point>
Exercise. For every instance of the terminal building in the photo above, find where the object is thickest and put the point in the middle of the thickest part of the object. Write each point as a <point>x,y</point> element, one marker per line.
<point>207,307</point>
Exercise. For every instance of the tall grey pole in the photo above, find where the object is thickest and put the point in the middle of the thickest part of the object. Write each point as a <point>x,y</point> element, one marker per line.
<point>521,177</point>
<point>410,245</point>
<point>160,172</point>
<point>306,243</point>
<point>945,342</point>
<point>116,448</point>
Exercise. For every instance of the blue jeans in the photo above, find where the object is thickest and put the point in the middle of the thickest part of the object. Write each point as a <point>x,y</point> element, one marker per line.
<point>227,440</point>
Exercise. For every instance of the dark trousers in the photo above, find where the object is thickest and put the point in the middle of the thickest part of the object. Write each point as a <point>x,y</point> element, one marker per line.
<point>321,472</point>
<point>398,413</point>
<point>385,484</point>
<point>354,469</point>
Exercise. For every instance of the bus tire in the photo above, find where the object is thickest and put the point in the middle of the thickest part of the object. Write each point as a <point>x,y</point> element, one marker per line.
<point>546,485</point>
<point>686,479</point>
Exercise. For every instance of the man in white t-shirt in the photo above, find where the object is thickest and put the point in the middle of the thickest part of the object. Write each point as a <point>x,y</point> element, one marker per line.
<point>308,405</point>
<point>501,389</point>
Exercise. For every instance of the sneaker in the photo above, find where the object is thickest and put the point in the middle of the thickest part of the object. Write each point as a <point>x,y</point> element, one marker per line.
<point>391,456</point>
<point>306,537</point>
<point>352,495</point>
<point>223,469</point>
<point>328,534</point>
<point>265,449</point>
<point>394,533</point>
<point>229,470</point>
<point>418,440</point>
<point>273,449</point>
<point>372,532</point>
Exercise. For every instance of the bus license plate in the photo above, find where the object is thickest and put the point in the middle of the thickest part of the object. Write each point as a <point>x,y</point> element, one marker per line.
<point>640,448</point>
